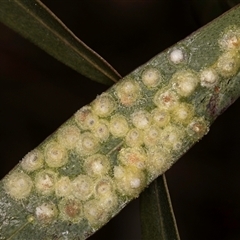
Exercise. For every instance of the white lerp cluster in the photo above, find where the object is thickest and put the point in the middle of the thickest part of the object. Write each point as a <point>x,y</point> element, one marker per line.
<point>146,137</point>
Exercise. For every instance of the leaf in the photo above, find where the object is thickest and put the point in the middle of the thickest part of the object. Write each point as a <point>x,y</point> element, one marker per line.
<point>44,22</point>
<point>33,20</point>
<point>111,149</point>
<point>157,216</point>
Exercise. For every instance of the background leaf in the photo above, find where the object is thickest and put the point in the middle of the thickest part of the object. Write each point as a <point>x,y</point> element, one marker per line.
<point>157,216</point>
<point>33,20</point>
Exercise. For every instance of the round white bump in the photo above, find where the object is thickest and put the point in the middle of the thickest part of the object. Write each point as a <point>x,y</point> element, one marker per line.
<point>198,128</point>
<point>18,185</point>
<point>91,121</point>
<point>208,77</point>
<point>134,138</point>
<point>104,105</point>
<point>151,136</point>
<point>228,64</point>
<point>108,201</point>
<point>95,213</point>
<point>101,130</point>
<point>81,115</point>
<point>88,144</point>
<point>63,187</point>
<point>82,187</point>
<point>118,126</point>
<point>133,157</point>
<point>46,213</point>
<point>45,182</point>
<point>119,172</point>
<point>104,187</point>
<point>165,99</point>
<point>135,182</point>
<point>68,136</point>
<point>85,118</point>
<point>130,181</point>
<point>161,117</point>
<point>185,82</point>
<point>141,119</point>
<point>177,56</point>
<point>70,210</point>
<point>171,138</point>
<point>230,39</point>
<point>55,155</point>
<point>182,113</point>
<point>32,161</point>
<point>151,77</point>
<point>128,92</point>
<point>97,164</point>
<point>158,162</point>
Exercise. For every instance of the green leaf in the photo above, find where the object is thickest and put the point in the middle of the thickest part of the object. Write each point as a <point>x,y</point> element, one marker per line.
<point>110,150</point>
<point>157,216</point>
<point>33,20</point>
<point>67,60</point>
<point>60,31</point>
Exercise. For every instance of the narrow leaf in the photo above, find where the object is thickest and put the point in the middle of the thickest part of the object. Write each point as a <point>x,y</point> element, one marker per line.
<point>157,216</point>
<point>33,20</point>
<point>110,150</point>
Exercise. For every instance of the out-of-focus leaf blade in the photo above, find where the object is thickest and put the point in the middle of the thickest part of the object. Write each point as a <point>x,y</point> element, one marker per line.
<point>157,216</point>
<point>33,20</point>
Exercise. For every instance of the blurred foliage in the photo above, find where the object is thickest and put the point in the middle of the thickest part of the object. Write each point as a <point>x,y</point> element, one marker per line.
<point>34,21</point>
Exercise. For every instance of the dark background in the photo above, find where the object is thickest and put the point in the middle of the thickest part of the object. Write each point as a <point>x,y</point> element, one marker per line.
<point>37,94</point>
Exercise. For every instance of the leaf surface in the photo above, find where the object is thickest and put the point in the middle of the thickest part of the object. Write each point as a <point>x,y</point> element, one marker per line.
<point>157,216</point>
<point>110,150</point>
<point>34,21</point>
